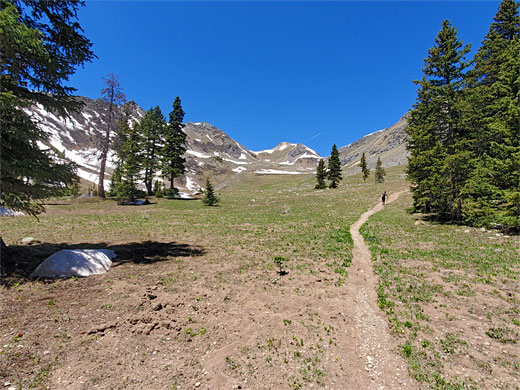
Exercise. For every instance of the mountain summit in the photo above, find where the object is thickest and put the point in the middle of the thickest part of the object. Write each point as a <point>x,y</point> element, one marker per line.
<point>210,151</point>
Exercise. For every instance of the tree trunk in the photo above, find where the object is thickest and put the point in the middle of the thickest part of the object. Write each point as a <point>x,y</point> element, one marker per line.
<point>104,154</point>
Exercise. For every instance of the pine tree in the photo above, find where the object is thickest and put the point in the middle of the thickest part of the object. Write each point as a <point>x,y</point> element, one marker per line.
<point>364,167</point>
<point>334,174</point>
<point>174,147</point>
<point>152,128</point>
<point>128,165</point>
<point>210,198</point>
<point>321,175</point>
<point>492,193</point>
<point>439,161</point>
<point>114,96</point>
<point>379,172</point>
<point>41,45</point>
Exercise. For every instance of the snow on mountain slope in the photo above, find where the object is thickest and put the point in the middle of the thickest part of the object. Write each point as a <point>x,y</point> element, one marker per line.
<point>210,151</point>
<point>291,154</point>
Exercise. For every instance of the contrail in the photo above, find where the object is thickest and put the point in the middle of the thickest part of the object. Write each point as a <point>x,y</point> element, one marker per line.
<point>315,136</point>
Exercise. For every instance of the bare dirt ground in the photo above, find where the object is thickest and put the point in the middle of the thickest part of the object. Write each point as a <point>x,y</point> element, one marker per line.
<point>184,318</point>
<point>383,369</point>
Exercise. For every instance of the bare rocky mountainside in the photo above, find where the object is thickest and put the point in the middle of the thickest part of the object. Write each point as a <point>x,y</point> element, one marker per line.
<point>210,151</point>
<point>388,144</point>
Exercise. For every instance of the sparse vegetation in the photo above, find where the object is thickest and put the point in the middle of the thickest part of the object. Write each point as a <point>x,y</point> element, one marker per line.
<point>435,288</point>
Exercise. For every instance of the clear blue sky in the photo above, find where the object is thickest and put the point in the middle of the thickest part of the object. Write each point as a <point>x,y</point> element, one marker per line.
<point>264,72</point>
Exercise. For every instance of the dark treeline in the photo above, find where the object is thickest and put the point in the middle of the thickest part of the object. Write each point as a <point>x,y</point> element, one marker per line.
<point>464,129</point>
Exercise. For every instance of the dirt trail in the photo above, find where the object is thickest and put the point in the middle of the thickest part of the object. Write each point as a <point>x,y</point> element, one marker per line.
<point>379,367</point>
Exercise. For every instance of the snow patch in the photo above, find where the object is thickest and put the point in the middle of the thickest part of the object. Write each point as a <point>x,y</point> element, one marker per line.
<point>191,184</point>
<point>239,169</point>
<point>236,162</point>
<point>198,140</point>
<point>242,157</point>
<point>270,151</point>
<point>198,154</point>
<point>283,147</point>
<point>276,172</point>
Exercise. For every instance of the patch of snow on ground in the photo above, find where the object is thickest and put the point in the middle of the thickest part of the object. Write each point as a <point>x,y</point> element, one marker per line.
<point>242,156</point>
<point>312,151</point>
<point>207,135</point>
<point>239,169</point>
<point>307,156</point>
<point>216,154</point>
<point>92,177</point>
<point>200,163</point>
<point>236,162</point>
<point>198,154</point>
<point>286,163</point>
<point>191,184</point>
<point>270,151</point>
<point>198,140</point>
<point>184,195</point>
<point>10,213</point>
<point>283,147</point>
<point>88,117</point>
<point>276,172</point>
<point>240,146</point>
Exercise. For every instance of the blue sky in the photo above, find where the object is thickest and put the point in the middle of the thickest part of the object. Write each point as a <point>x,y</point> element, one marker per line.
<point>313,72</point>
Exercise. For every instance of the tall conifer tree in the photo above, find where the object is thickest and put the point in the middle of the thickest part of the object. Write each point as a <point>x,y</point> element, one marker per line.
<point>439,160</point>
<point>41,45</point>
<point>321,175</point>
<point>492,194</point>
<point>334,174</point>
<point>174,147</point>
<point>128,164</point>
<point>364,167</point>
<point>152,128</point>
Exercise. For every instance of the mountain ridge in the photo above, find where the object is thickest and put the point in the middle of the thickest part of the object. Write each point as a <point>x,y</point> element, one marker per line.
<point>210,151</point>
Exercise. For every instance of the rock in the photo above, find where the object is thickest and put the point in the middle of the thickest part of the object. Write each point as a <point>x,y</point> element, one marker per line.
<point>75,262</point>
<point>197,384</point>
<point>27,240</point>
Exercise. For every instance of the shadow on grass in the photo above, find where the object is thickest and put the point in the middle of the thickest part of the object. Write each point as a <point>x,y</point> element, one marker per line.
<point>21,260</point>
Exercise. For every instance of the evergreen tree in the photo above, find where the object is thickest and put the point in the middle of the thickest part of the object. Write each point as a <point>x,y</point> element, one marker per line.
<point>334,174</point>
<point>152,128</point>
<point>210,198</point>
<point>114,96</point>
<point>321,175</point>
<point>379,172</point>
<point>128,165</point>
<point>439,160</point>
<point>174,147</point>
<point>41,45</point>
<point>364,167</point>
<point>492,193</point>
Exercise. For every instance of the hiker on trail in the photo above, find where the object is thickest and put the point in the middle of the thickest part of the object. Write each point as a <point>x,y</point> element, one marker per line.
<point>383,197</point>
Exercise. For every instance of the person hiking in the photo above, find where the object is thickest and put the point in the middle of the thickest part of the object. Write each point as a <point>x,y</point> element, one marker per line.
<point>384,197</point>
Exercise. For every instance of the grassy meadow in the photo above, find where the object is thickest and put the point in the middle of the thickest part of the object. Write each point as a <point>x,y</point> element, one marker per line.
<point>195,295</point>
<point>451,294</point>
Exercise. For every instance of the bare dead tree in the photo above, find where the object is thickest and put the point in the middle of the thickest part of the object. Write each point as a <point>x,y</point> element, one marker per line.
<point>114,96</point>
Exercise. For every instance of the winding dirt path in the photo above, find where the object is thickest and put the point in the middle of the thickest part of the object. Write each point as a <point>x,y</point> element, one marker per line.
<point>379,366</point>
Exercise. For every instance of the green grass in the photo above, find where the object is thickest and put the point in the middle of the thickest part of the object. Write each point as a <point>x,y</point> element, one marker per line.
<point>451,294</point>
